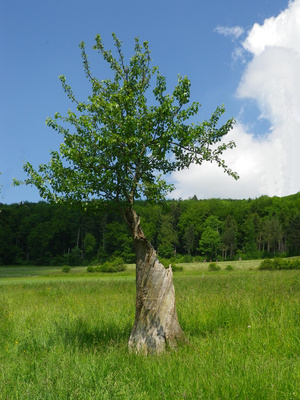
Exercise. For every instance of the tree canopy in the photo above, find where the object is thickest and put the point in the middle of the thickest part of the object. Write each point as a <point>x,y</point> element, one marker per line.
<point>48,234</point>
<point>128,134</point>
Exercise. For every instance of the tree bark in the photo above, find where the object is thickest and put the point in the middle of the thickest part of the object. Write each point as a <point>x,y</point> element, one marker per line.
<point>156,324</point>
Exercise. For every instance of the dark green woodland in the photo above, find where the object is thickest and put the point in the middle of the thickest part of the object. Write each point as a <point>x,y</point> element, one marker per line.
<point>187,230</point>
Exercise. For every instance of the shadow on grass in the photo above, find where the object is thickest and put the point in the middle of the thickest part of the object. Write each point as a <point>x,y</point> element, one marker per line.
<point>81,335</point>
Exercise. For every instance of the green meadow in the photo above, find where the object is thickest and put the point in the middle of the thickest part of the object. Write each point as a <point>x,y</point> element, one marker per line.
<point>64,336</point>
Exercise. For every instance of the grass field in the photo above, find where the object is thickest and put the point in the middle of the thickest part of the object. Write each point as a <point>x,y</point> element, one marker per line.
<point>64,336</point>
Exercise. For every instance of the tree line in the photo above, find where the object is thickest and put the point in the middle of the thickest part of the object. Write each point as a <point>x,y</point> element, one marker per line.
<point>52,234</point>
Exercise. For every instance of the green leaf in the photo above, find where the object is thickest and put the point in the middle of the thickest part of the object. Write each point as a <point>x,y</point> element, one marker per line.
<point>121,142</point>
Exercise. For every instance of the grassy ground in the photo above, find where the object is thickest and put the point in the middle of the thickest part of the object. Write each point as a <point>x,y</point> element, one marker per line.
<point>30,271</point>
<point>64,336</point>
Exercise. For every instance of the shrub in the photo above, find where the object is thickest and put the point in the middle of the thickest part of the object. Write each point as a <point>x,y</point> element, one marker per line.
<point>75,256</point>
<point>66,268</point>
<point>279,263</point>
<point>214,267</point>
<point>91,269</point>
<point>117,265</point>
<point>165,262</point>
<point>229,268</point>
<point>176,268</point>
<point>198,259</point>
<point>295,264</point>
<point>185,259</point>
<point>266,264</point>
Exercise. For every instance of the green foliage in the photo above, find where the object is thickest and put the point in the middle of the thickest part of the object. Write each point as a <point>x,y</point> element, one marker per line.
<point>117,144</point>
<point>75,256</point>
<point>189,239</point>
<point>272,233</point>
<point>167,239</point>
<point>167,262</point>
<point>66,268</point>
<point>279,263</point>
<point>294,233</point>
<point>295,264</point>
<point>229,268</point>
<point>91,269</point>
<point>118,241</point>
<point>213,222</point>
<point>185,258</point>
<point>89,243</point>
<point>266,264</point>
<point>209,243</point>
<point>45,234</point>
<point>176,268</point>
<point>116,265</point>
<point>214,267</point>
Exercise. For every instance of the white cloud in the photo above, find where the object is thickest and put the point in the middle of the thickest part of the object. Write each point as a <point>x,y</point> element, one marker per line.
<point>235,31</point>
<point>271,165</point>
<point>281,31</point>
<point>238,54</point>
<point>249,159</point>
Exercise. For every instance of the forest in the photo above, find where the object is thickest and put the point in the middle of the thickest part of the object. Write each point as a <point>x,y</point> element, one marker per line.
<point>182,230</point>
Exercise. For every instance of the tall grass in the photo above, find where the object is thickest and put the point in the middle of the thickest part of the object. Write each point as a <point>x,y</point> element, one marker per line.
<point>67,339</point>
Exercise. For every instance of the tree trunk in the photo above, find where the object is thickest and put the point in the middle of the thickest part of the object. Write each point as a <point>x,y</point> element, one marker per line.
<point>156,324</point>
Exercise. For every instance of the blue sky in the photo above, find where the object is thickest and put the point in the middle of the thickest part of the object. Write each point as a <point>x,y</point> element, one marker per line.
<point>234,53</point>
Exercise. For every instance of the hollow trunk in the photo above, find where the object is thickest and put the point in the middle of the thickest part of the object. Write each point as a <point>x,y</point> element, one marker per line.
<point>156,324</point>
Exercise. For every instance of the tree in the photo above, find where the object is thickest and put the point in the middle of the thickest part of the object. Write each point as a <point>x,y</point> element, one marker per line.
<point>272,233</point>
<point>118,241</point>
<point>189,239</point>
<point>89,242</point>
<point>210,242</point>
<point>118,150</point>
<point>167,238</point>
<point>251,237</point>
<point>213,222</point>
<point>294,234</point>
<point>229,236</point>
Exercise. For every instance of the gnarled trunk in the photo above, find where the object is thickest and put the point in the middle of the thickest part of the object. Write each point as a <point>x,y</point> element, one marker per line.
<point>156,324</point>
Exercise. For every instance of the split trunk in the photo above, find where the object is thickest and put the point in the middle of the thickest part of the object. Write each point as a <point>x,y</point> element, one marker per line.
<point>156,324</point>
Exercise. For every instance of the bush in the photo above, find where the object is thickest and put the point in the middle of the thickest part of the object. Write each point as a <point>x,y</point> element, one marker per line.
<point>66,269</point>
<point>279,263</point>
<point>117,265</point>
<point>229,268</point>
<point>295,264</point>
<point>185,259</point>
<point>176,268</point>
<point>165,262</point>
<point>214,267</point>
<point>266,264</point>
<point>75,257</point>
